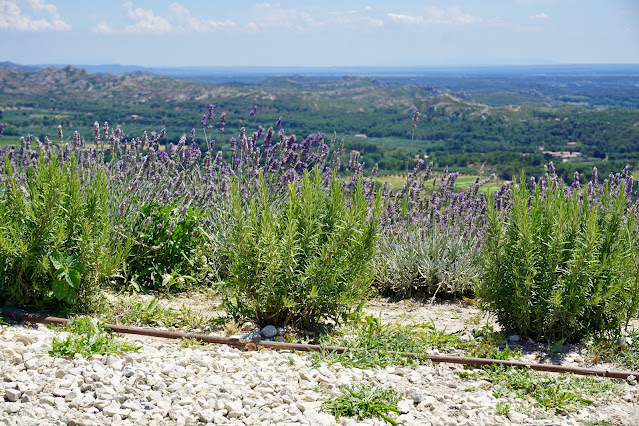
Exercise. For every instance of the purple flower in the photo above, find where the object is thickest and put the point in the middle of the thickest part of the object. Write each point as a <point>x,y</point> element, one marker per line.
<point>203,121</point>
<point>221,122</point>
<point>253,111</point>
<point>415,118</point>
<point>209,113</point>
<point>60,134</point>
<point>279,122</point>
<point>1,129</point>
<point>96,132</point>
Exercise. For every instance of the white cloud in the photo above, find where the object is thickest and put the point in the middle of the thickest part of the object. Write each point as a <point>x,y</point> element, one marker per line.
<point>434,15</point>
<point>179,19</point>
<point>145,21</point>
<point>354,19</point>
<point>275,16</point>
<point>186,22</point>
<point>540,16</point>
<point>30,15</point>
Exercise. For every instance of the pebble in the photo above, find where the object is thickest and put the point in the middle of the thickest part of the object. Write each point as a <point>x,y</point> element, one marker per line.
<point>514,338</point>
<point>215,384</point>
<point>269,331</point>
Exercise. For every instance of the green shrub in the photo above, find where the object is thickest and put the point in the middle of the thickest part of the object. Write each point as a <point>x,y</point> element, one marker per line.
<point>54,235</point>
<point>559,267</point>
<point>412,264</point>
<point>165,245</point>
<point>303,260</point>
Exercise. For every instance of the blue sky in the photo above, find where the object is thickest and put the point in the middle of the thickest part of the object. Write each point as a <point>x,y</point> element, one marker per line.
<point>319,33</point>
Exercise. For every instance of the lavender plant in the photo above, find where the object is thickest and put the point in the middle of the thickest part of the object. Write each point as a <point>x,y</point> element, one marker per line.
<point>430,237</point>
<point>559,263</point>
<point>426,262</point>
<point>303,260</point>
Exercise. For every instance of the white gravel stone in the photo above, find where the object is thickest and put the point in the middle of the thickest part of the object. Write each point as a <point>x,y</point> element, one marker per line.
<point>12,395</point>
<point>222,385</point>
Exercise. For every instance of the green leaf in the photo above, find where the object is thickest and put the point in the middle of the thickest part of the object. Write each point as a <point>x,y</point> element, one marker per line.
<point>60,289</point>
<point>71,296</point>
<point>168,278</point>
<point>78,267</point>
<point>73,278</point>
<point>58,260</point>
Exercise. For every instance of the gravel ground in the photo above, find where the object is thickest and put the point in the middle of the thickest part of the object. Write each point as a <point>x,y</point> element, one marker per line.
<point>213,384</point>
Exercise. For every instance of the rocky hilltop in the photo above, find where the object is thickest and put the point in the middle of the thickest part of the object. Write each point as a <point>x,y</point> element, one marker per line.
<point>78,83</point>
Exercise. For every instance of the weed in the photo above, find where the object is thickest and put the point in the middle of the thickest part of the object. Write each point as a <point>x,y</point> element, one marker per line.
<point>483,350</point>
<point>559,394</point>
<point>88,337</point>
<point>365,402</point>
<point>163,253</point>
<point>375,344</point>
<point>553,348</point>
<point>231,328</point>
<point>138,312</point>
<point>502,408</point>
<point>189,343</point>
<point>623,350</point>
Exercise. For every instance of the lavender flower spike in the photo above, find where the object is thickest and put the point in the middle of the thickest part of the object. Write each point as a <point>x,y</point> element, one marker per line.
<point>1,129</point>
<point>415,118</point>
<point>221,122</point>
<point>209,113</point>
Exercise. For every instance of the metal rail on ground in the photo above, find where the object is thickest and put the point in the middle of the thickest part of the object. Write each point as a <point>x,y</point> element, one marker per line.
<point>19,315</point>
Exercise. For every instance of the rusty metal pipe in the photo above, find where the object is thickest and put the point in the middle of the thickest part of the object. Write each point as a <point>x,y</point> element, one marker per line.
<point>240,343</point>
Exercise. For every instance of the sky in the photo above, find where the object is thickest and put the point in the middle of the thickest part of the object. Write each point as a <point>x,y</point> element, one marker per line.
<point>158,33</point>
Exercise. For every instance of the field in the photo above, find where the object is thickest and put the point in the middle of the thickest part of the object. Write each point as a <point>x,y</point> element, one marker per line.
<point>461,183</point>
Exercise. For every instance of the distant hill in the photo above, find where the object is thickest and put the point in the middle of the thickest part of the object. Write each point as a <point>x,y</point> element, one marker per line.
<point>141,87</point>
<point>18,67</point>
<point>137,87</point>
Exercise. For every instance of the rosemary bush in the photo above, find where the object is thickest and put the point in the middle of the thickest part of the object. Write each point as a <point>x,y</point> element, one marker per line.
<point>304,260</point>
<point>54,234</point>
<point>560,266</point>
